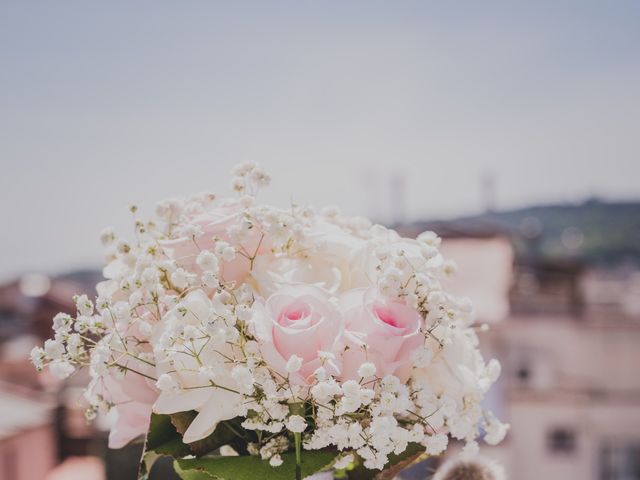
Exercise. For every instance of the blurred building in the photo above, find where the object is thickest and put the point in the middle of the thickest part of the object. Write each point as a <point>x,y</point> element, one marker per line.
<point>567,335</point>
<point>43,432</point>
<point>565,324</point>
<point>570,355</point>
<point>28,442</point>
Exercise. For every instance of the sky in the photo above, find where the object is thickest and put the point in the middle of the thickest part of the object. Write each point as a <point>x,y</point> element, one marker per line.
<point>103,104</point>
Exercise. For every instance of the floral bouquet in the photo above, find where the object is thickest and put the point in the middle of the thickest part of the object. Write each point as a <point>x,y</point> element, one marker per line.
<point>248,341</point>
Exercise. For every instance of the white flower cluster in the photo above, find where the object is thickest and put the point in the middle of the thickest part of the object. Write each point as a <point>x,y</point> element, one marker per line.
<point>298,322</point>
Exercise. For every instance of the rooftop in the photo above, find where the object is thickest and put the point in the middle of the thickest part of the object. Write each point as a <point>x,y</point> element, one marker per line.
<point>22,410</point>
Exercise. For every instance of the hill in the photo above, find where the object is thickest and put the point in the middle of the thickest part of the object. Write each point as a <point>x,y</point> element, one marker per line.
<point>595,231</point>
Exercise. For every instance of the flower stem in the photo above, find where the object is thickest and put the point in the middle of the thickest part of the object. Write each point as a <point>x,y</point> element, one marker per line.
<point>298,441</point>
<point>298,409</point>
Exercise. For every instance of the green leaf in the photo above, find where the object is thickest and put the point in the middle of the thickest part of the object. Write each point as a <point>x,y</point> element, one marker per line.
<point>165,438</point>
<point>249,467</point>
<point>192,474</point>
<point>226,433</point>
<point>162,439</point>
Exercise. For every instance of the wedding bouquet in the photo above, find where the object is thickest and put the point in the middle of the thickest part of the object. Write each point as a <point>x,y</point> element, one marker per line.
<point>247,341</point>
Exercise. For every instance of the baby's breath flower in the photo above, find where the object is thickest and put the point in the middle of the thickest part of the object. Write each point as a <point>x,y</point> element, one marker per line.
<point>238,184</point>
<point>228,253</point>
<point>61,369</point>
<point>296,424</point>
<point>37,357</point>
<point>436,443</point>
<point>210,279</point>
<point>260,177</point>
<point>84,305</point>
<point>294,322</point>
<point>107,236</point>
<point>449,267</point>
<point>294,363</point>
<point>367,369</point>
<point>207,261</point>
<point>181,278</point>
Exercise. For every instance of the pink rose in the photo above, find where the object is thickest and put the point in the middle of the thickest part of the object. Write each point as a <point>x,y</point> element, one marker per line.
<point>133,397</point>
<point>298,320</point>
<point>389,329</point>
<point>216,223</point>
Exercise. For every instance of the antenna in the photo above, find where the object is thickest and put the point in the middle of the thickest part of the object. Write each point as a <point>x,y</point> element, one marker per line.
<point>371,197</point>
<point>398,190</point>
<point>488,182</point>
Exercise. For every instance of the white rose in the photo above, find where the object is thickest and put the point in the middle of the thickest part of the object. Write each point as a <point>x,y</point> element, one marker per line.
<point>325,260</point>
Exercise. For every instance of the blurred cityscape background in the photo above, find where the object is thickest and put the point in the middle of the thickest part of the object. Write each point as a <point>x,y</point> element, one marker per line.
<point>510,130</point>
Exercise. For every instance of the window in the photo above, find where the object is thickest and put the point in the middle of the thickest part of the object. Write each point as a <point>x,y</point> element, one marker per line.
<point>523,373</point>
<point>530,368</point>
<point>620,461</point>
<point>10,323</point>
<point>561,440</point>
